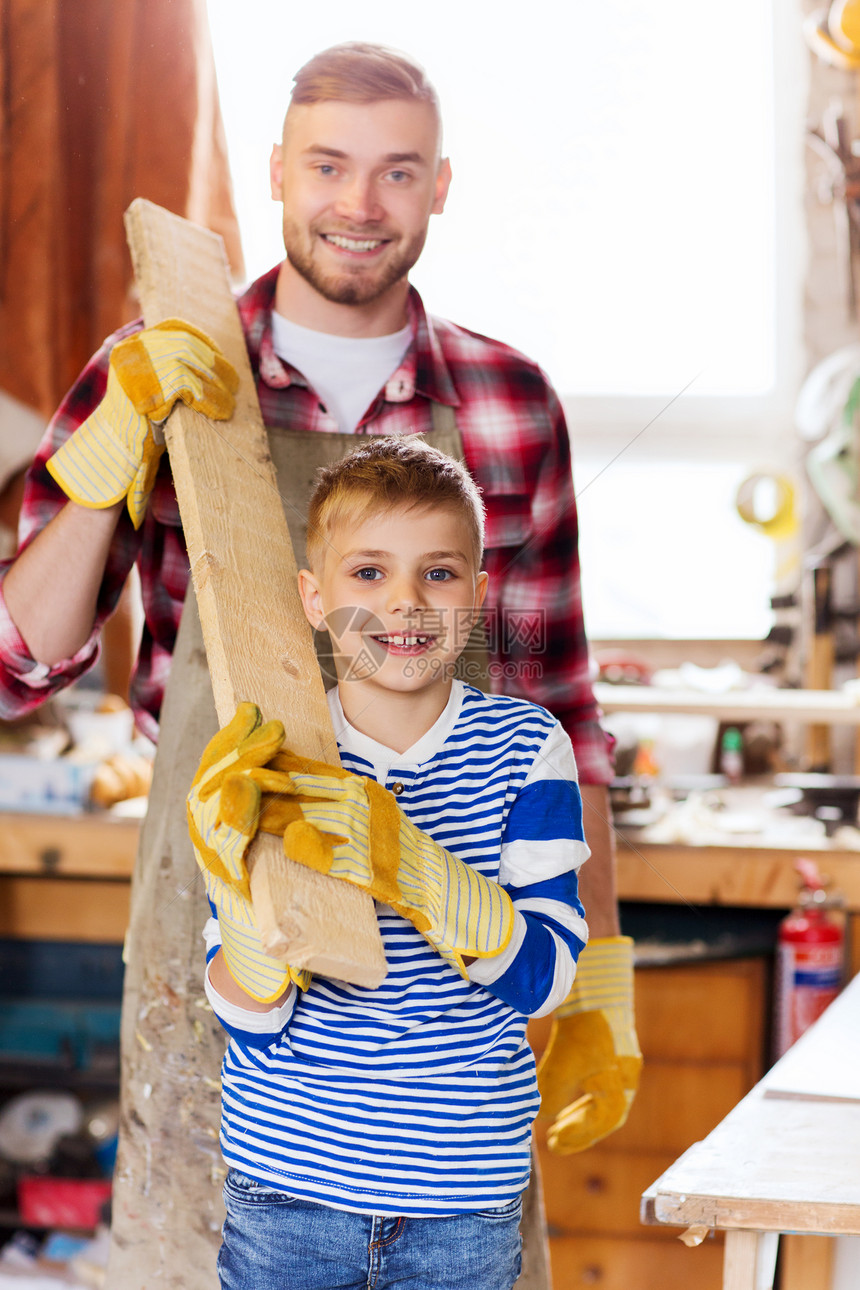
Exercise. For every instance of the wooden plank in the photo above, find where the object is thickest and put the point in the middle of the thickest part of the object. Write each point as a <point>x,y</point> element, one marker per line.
<point>258,643</point>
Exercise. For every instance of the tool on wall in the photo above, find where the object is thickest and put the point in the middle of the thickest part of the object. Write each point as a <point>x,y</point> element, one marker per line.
<point>768,502</point>
<point>832,466</point>
<point>833,33</point>
<point>841,186</point>
<point>820,659</point>
<point>828,415</point>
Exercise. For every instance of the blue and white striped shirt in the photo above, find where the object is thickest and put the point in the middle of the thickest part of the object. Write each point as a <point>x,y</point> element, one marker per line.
<point>417,1098</point>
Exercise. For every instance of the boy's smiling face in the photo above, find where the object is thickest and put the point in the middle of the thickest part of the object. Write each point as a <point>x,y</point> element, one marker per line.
<point>399,592</point>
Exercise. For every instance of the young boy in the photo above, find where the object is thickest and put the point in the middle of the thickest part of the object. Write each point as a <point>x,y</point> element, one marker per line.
<point>381,1137</point>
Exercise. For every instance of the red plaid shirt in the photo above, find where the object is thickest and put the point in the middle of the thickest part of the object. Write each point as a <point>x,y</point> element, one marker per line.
<point>516,446</point>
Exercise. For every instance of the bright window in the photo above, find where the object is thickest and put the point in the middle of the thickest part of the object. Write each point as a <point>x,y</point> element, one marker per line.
<point>662,549</point>
<point>620,206</point>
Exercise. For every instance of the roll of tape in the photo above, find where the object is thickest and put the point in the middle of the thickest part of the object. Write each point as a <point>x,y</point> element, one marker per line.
<point>32,1124</point>
<point>782,523</point>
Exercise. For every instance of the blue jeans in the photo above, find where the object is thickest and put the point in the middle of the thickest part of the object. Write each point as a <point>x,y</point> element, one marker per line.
<point>274,1241</point>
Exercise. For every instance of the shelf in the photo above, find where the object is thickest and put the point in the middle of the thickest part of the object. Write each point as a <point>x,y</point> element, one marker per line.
<point>824,707</point>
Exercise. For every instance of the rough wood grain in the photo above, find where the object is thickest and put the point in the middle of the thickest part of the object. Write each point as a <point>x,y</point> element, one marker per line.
<point>167,1208</point>
<point>258,644</point>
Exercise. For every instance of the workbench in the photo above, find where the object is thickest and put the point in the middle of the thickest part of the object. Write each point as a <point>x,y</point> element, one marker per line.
<point>784,1160</point>
<point>746,875</point>
<point>70,863</point>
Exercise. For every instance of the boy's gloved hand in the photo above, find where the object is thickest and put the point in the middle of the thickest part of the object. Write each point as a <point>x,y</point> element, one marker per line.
<point>352,828</point>
<point>589,1074</point>
<point>113,454</point>
<point>223,818</point>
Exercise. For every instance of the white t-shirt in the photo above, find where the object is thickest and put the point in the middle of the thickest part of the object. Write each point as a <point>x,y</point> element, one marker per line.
<point>347,372</point>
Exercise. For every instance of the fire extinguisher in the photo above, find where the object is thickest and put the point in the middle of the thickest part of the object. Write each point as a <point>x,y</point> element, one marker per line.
<point>810,958</point>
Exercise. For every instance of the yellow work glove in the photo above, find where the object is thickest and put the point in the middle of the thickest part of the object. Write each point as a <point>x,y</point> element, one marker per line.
<point>113,454</point>
<point>223,818</point>
<point>589,1074</point>
<point>352,828</point>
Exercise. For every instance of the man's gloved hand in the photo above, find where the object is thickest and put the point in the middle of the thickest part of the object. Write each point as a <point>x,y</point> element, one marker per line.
<point>223,818</point>
<point>113,454</point>
<point>589,1073</point>
<point>352,828</point>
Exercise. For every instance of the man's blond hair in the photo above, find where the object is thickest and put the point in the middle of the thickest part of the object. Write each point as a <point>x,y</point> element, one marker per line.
<point>358,72</point>
<point>388,472</point>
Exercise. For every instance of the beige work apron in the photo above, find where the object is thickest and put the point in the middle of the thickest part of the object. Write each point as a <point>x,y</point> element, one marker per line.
<point>167,1165</point>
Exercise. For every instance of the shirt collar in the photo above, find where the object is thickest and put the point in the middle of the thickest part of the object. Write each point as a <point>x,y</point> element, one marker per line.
<point>383,758</point>
<point>255,309</point>
<point>423,370</point>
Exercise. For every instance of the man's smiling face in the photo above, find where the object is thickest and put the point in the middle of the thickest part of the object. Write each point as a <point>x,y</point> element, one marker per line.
<point>359,182</point>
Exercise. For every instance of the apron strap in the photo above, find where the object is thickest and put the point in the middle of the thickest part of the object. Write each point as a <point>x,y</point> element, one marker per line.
<point>445,423</point>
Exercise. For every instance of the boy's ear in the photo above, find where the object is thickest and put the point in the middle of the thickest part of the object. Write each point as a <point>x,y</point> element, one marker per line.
<point>482,582</point>
<point>311,595</point>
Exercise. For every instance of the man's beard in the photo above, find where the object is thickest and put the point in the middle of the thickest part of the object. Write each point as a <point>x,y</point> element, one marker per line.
<point>345,288</point>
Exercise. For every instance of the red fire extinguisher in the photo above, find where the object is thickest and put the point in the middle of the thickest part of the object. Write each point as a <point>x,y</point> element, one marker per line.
<point>810,958</point>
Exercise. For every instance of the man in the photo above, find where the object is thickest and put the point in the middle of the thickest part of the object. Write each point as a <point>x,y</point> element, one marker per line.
<point>340,345</point>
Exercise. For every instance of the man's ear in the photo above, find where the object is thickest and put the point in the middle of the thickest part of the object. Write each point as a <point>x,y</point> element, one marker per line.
<point>309,590</point>
<point>276,172</point>
<point>443,183</point>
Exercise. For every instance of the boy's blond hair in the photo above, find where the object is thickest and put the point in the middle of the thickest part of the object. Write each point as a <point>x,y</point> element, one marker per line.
<point>394,470</point>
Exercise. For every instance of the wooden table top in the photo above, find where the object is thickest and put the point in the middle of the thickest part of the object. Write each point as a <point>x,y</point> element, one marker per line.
<point>787,1158</point>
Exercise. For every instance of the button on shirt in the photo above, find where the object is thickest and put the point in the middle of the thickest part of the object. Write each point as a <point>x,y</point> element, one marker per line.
<point>516,446</point>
